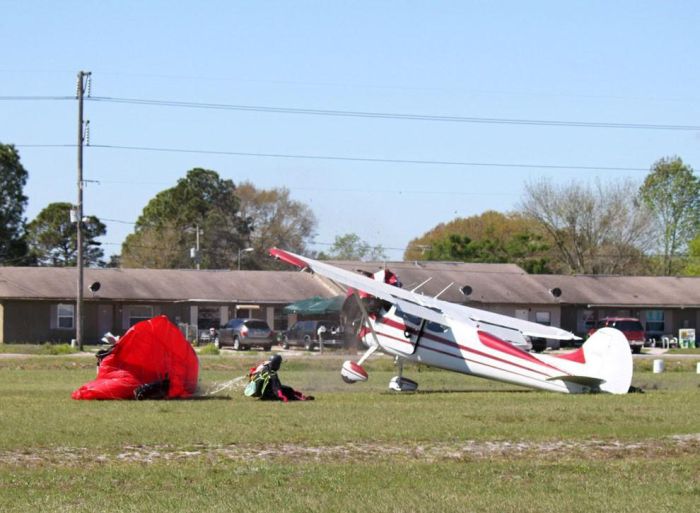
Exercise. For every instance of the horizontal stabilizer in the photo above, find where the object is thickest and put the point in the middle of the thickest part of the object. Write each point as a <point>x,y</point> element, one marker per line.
<point>587,381</point>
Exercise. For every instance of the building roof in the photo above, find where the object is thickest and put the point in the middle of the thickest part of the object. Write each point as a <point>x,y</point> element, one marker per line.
<point>490,283</point>
<point>58,283</point>
<point>631,291</point>
<point>509,284</point>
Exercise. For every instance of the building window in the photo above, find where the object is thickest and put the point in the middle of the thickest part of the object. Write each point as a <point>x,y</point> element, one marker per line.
<point>208,317</point>
<point>248,312</point>
<point>281,321</point>
<point>543,318</point>
<point>66,316</point>
<point>655,324</point>
<point>138,313</point>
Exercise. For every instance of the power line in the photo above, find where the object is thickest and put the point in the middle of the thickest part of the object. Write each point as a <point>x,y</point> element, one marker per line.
<point>365,159</point>
<point>117,221</point>
<point>35,98</point>
<point>366,114</point>
<point>395,116</point>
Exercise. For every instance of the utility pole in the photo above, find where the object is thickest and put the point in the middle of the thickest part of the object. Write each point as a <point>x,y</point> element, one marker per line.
<point>241,251</point>
<point>83,78</point>
<point>194,252</point>
<point>197,245</point>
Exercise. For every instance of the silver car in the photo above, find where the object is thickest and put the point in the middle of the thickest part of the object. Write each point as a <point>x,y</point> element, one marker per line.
<point>244,334</point>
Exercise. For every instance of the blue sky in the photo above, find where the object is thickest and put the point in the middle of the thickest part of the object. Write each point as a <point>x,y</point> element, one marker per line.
<point>624,62</point>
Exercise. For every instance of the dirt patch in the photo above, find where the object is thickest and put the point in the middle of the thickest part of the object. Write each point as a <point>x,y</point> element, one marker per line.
<point>362,451</point>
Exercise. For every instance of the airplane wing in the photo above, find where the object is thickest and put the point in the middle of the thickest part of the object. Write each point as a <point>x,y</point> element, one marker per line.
<point>419,305</point>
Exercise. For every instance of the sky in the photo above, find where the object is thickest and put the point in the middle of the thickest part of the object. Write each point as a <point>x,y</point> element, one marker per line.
<point>477,99</point>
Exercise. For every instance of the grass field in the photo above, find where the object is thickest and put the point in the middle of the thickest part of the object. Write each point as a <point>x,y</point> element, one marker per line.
<point>461,444</point>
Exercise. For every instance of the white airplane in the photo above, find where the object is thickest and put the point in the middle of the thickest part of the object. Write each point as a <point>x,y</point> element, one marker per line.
<point>418,328</point>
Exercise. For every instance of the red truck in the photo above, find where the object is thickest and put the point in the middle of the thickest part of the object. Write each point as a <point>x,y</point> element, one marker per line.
<point>629,326</point>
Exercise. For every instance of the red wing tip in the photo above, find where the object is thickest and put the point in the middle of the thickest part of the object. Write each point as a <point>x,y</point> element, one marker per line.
<point>287,257</point>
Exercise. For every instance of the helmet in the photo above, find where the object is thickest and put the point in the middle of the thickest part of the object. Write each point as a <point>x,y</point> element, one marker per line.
<point>275,362</point>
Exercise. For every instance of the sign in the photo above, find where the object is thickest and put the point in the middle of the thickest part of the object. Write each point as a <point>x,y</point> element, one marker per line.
<point>686,337</point>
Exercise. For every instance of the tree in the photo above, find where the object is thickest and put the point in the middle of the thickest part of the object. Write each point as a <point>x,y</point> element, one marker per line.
<point>351,247</point>
<point>13,178</point>
<point>594,229</point>
<point>169,222</point>
<point>276,220</point>
<point>138,248</point>
<point>672,192</point>
<point>491,237</point>
<point>53,239</point>
<point>692,267</point>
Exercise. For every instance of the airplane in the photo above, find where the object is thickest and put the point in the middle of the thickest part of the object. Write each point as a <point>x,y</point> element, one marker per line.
<point>417,328</point>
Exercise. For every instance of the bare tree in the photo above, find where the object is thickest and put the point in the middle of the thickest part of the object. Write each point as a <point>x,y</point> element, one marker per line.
<point>276,220</point>
<point>595,229</point>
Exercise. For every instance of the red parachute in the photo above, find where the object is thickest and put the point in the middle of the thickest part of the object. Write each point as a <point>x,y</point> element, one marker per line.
<point>152,352</point>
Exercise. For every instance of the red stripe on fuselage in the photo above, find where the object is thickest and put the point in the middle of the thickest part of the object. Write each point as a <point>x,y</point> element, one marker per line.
<point>531,359</point>
<point>575,356</point>
<point>466,359</point>
<point>496,343</point>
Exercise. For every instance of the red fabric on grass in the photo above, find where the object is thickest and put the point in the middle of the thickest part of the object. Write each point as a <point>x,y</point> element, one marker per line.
<point>150,351</point>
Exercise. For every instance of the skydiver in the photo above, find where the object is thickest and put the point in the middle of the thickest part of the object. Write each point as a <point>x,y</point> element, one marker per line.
<point>266,385</point>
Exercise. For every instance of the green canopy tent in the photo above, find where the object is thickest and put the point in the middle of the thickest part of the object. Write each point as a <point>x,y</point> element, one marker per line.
<point>316,305</point>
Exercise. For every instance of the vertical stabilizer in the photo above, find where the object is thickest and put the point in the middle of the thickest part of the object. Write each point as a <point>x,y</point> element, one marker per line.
<point>608,356</point>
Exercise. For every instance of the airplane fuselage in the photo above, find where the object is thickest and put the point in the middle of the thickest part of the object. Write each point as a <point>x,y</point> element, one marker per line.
<point>466,349</point>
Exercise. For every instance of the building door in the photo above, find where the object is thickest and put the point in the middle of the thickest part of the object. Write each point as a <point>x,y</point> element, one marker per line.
<point>105,319</point>
<point>522,314</point>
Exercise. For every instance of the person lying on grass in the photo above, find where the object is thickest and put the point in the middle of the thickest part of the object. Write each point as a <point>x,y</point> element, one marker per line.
<point>266,385</point>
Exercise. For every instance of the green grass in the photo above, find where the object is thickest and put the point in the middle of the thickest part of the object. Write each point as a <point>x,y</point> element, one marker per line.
<point>208,349</point>
<point>461,444</point>
<point>686,350</point>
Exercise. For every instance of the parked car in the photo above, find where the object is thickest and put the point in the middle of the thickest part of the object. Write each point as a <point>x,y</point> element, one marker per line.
<point>629,326</point>
<point>206,336</point>
<point>307,333</point>
<point>244,334</point>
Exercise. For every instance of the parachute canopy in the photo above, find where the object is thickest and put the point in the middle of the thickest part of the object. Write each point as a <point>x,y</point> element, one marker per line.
<point>151,351</point>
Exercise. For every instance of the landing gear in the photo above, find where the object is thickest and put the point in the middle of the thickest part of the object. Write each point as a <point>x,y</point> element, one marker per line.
<point>399,383</point>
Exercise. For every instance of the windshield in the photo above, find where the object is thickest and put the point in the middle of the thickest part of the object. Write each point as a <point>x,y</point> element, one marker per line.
<point>257,325</point>
<point>628,325</point>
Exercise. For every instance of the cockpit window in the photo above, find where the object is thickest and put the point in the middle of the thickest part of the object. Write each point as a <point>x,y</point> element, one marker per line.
<point>411,319</point>
<point>436,327</point>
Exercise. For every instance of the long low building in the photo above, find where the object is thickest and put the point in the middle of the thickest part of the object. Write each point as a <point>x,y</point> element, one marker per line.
<point>37,304</point>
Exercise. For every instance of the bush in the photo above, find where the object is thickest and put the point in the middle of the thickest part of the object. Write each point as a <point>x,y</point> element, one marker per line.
<point>56,349</point>
<point>209,349</point>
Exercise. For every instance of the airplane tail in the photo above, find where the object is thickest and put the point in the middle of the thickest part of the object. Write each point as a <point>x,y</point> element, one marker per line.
<point>608,361</point>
